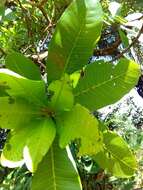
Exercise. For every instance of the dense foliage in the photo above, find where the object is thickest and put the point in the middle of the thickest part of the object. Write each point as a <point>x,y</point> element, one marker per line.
<point>47,104</point>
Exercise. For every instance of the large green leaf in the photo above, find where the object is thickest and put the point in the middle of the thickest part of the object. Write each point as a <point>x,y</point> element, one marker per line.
<point>117,158</point>
<point>29,142</point>
<point>17,86</point>
<point>75,37</point>
<point>104,84</point>
<point>22,65</point>
<point>16,111</point>
<point>79,123</point>
<point>62,98</point>
<point>56,172</point>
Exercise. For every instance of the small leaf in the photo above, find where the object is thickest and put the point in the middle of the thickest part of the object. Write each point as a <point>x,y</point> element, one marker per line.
<point>124,38</point>
<point>62,98</point>
<point>104,84</point>
<point>75,36</point>
<point>117,158</point>
<point>80,124</point>
<point>20,64</point>
<point>30,142</point>
<point>56,172</point>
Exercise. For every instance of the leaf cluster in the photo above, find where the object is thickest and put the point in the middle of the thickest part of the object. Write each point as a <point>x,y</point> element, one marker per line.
<point>46,116</point>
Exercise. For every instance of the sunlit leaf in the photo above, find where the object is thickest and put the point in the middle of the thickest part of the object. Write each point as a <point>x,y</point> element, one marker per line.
<point>79,123</point>
<point>104,83</point>
<point>29,143</point>
<point>16,111</point>
<point>18,86</point>
<point>116,158</point>
<point>62,98</point>
<point>75,36</point>
<point>56,172</point>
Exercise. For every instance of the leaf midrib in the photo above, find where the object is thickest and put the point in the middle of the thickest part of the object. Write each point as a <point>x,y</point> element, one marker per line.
<point>74,45</point>
<point>53,168</point>
<point>114,155</point>
<point>93,87</point>
<point>68,58</point>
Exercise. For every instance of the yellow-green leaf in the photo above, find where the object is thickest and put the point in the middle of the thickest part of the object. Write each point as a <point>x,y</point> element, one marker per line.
<point>116,158</point>
<point>79,123</point>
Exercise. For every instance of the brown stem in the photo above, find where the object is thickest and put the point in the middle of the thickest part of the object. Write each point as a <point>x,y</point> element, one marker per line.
<point>128,48</point>
<point>40,6</point>
<point>44,13</point>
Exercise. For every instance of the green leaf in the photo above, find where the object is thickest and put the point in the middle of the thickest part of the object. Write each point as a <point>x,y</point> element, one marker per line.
<point>104,84</point>
<point>29,142</point>
<point>56,172</point>
<point>2,11</point>
<point>23,66</point>
<point>117,158</point>
<point>3,89</point>
<point>79,123</point>
<point>75,37</point>
<point>16,111</point>
<point>18,86</point>
<point>62,98</point>
<point>124,38</point>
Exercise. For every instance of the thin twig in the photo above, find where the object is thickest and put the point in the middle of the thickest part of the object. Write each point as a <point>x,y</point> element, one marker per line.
<point>40,6</point>
<point>128,48</point>
<point>3,52</point>
<point>44,13</point>
<point>42,2</point>
<point>27,20</point>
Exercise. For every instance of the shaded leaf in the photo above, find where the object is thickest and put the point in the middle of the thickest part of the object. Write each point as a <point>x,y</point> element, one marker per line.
<point>20,64</point>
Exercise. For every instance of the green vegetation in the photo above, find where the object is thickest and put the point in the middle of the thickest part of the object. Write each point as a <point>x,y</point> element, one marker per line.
<point>50,88</point>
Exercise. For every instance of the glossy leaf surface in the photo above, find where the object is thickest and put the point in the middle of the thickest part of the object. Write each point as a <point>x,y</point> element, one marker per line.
<point>56,172</point>
<point>104,84</point>
<point>23,66</point>
<point>75,37</point>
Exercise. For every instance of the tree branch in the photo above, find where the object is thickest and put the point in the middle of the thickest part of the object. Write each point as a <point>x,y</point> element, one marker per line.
<point>27,19</point>
<point>128,48</point>
<point>40,6</point>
